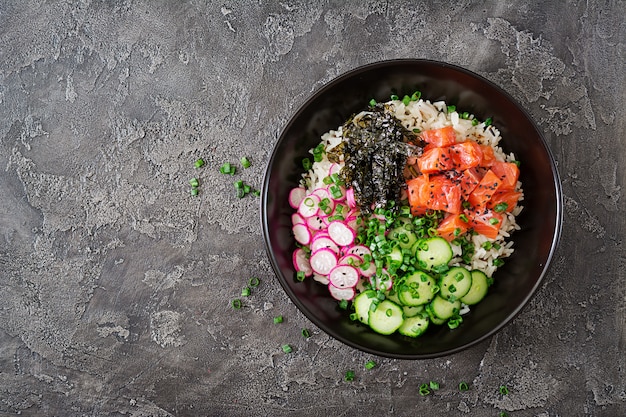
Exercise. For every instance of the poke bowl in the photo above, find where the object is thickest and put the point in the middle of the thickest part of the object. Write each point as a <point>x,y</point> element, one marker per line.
<point>411,208</point>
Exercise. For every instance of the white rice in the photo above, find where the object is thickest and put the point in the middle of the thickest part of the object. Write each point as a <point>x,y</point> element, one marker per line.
<point>424,115</point>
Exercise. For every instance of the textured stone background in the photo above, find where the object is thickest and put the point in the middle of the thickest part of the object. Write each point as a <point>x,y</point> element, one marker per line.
<point>115,284</point>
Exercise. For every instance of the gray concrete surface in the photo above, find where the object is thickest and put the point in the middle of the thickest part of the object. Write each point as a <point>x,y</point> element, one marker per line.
<point>115,283</point>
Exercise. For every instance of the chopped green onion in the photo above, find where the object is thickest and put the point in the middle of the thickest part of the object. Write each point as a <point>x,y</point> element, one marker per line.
<point>454,322</point>
<point>395,97</point>
<point>463,386</point>
<point>475,122</point>
<point>500,207</point>
<point>416,130</point>
<point>245,292</point>
<point>194,191</point>
<point>465,115</point>
<point>199,163</point>
<point>305,333</point>
<point>343,304</point>
<point>236,303</point>
<point>504,390</point>
<point>194,182</point>
<point>370,365</point>
<point>372,102</point>
<point>287,348</point>
<point>494,221</point>
<point>254,282</point>
<point>245,162</point>
<point>416,96</point>
<point>424,390</point>
<point>278,319</point>
<point>227,168</point>
<point>451,108</point>
<point>434,385</point>
<point>498,262</point>
<point>349,376</point>
<point>306,164</point>
<point>406,100</point>
<point>256,192</point>
<point>300,276</point>
<point>503,414</point>
<point>464,218</point>
<point>488,121</point>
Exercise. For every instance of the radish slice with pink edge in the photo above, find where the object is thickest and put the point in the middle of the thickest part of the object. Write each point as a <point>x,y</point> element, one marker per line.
<point>337,192</point>
<point>302,234</point>
<point>343,276</point>
<point>334,169</point>
<point>350,259</point>
<point>350,197</point>
<point>301,262</point>
<point>341,293</point>
<point>316,223</point>
<point>353,222</point>
<point>382,281</point>
<point>368,269</point>
<point>359,250</point>
<point>297,219</point>
<point>322,242</point>
<point>309,206</point>
<point>326,204</point>
<point>340,233</point>
<point>322,279</point>
<point>323,261</point>
<point>296,195</point>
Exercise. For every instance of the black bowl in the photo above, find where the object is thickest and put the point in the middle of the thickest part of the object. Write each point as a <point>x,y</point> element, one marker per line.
<point>540,221</point>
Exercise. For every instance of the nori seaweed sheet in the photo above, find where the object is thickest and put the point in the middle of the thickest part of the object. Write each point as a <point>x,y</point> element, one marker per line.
<point>375,153</point>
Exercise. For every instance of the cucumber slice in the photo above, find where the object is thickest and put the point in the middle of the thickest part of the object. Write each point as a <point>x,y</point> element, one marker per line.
<point>432,253</point>
<point>478,290</point>
<point>417,289</point>
<point>392,295</point>
<point>414,326</point>
<point>403,234</point>
<point>362,304</point>
<point>386,318</point>
<point>394,258</point>
<point>455,283</point>
<point>434,319</point>
<point>410,311</point>
<point>443,308</point>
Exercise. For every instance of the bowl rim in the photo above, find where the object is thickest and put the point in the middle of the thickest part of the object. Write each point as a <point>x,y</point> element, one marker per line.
<point>556,236</point>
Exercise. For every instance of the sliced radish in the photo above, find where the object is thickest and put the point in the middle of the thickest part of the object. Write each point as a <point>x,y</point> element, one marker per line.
<point>301,262</point>
<point>302,234</point>
<point>350,197</point>
<point>296,195</point>
<point>343,276</point>
<point>309,206</point>
<point>353,222</point>
<point>359,250</point>
<point>350,259</point>
<point>340,233</point>
<point>334,169</point>
<point>322,279</point>
<point>297,219</point>
<point>323,261</point>
<point>316,223</point>
<point>323,241</point>
<point>382,281</point>
<point>341,293</point>
<point>369,271</point>
<point>337,192</point>
<point>326,204</point>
